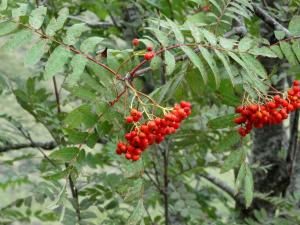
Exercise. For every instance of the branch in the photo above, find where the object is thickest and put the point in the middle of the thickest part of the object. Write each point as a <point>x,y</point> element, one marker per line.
<point>261,13</point>
<point>102,25</point>
<point>44,145</point>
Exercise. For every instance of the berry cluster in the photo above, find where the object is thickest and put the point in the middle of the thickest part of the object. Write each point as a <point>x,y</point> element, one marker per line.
<point>272,112</point>
<point>149,54</point>
<point>153,131</point>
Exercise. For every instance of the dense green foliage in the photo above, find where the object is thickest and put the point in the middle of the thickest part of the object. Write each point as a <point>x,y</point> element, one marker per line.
<point>72,174</point>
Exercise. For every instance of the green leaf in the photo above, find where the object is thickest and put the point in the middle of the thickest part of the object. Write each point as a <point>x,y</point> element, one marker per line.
<point>294,26</point>
<point>78,63</point>
<point>89,44</point>
<point>279,34</point>
<point>227,43</point>
<point>17,40</point>
<point>178,35</point>
<point>74,32</point>
<point>81,115</point>
<point>37,16</point>
<point>64,154</point>
<point>226,64</point>
<point>156,63</point>
<point>296,48</point>
<point>210,37</point>
<point>222,122</point>
<point>254,65</point>
<point>240,177</point>
<point>288,53</point>
<point>228,141</point>
<point>7,27</point>
<point>56,61</point>
<point>197,35</point>
<point>56,24</point>
<point>249,186</point>
<point>245,44</point>
<point>263,51</point>
<point>212,64</point>
<point>20,11</point>
<point>36,52</point>
<point>84,93</point>
<point>161,37</point>
<point>196,61</point>
<point>170,62</point>
<point>277,50</point>
<point>137,214</point>
<point>3,5</point>
<point>235,158</point>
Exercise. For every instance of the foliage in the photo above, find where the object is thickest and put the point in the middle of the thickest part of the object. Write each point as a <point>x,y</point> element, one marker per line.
<point>74,90</point>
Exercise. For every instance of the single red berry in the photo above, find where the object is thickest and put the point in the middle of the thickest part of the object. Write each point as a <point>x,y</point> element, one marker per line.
<point>135,42</point>
<point>118,151</point>
<point>135,157</point>
<point>129,119</point>
<point>296,83</point>
<point>128,156</point>
<point>277,98</point>
<point>149,55</point>
<point>149,48</point>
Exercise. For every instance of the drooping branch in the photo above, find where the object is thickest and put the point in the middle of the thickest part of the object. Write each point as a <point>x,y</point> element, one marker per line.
<point>238,28</point>
<point>262,14</point>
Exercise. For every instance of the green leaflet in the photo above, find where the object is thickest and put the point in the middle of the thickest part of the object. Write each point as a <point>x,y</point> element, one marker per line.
<point>288,53</point>
<point>249,186</point>
<point>78,63</point>
<point>212,64</point>
<point>64,154</point>
<point>178,35</point>
<point>74,32</point>
<point>57,24</point>
<point>245,44</point>
<point>226,64</point>
<point>17,40</point>
<point>196,61</point>
<point>7,27</point>
<point>235,158</point>
<point>56,61</point>
<point>36,52</point>
<point>170,62</point>
<point>37,16</point>
<point>81,115</point>
<point>137,214</point>
<point>294,25</point>
<point>3,5</point>
<point>89,44</point>
<point>222,122</point>
<point>296,48</point>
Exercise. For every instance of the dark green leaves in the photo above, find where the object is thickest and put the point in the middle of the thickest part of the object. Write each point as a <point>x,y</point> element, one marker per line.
<point>234,159</point>
<point>222,122</point>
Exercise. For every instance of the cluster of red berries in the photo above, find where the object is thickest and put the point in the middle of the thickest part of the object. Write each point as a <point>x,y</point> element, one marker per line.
<point>149,54</point>
<point>272,112</point>
<point>153,131</point>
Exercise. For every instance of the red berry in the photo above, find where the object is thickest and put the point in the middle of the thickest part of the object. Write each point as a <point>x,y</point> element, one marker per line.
<point>135,157</point>
<point>128,156</point>
<point>129,119</point>
<point>296,83</point>
<point>118,151</point>
<point>277,98</point>
<point>135,42</point>
<point>149,55</point>
<point>149,48</point>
